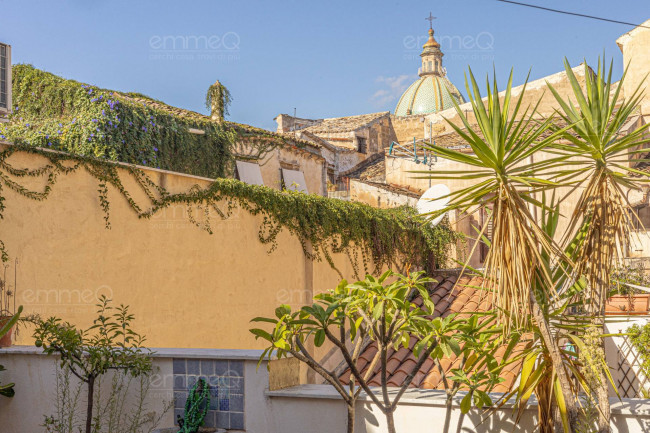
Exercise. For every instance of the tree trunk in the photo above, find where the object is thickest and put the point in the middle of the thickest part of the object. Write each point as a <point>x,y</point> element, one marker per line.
<point>351,410</point>
<point>447,414</point>
<point>390,420</point>
<point>603,402</point>
<point>602,393</point>
<point>461,418</point>
<point>556,358</point>
<point>89,407</point>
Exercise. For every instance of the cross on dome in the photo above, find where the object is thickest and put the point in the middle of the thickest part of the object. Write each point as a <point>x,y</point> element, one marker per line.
<point>430,18</point>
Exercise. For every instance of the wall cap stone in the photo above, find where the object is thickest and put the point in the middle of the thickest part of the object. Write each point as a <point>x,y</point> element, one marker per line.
<point>163,352</point>
<point>434,397</point>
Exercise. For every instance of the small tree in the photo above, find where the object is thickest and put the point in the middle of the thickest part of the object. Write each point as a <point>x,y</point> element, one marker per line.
<point>372,310</point>
<point>294,331</point>
<point>478,371</point>
<point>109,344</point>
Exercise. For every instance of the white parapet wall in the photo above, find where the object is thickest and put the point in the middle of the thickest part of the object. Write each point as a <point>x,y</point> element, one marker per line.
<point>238,399</point>
<point>252,407</point>
<point>420,411</point>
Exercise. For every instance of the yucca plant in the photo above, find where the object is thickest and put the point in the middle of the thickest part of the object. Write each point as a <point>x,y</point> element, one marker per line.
<point>538,374</point>
<point>601,154</point>
<point>507,180</point>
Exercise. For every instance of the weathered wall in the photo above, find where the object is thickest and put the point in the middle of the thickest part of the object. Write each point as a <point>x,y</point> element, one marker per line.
<point>407,127</point>
<point>187,288</point>
<point>312,166</point>
<point>381,134</point>
<point>378,197</point>
<point>636,54</point>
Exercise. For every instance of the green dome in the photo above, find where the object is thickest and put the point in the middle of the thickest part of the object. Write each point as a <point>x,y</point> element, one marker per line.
<point>429,94</point>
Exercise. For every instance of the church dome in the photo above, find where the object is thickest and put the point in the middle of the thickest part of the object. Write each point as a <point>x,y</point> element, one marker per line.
<point>428,94</point>
<point>433,91</point>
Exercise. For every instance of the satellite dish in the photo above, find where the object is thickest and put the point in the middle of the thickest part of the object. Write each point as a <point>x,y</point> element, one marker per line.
<point>434,199</point>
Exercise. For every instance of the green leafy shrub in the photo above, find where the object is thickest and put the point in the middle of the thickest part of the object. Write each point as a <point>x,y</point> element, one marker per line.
<point>640,339</point>
<point>53,112</point>
<point>110,344</point>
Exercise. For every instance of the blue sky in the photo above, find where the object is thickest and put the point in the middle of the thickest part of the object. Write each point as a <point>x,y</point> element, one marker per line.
<point>325,58</point>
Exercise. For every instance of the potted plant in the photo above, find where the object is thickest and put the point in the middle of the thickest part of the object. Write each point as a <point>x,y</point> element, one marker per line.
<point>627,299</point>
<point>7,306</point>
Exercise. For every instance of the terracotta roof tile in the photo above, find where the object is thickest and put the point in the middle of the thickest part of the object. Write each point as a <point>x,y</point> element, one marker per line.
<point>449,296</point>
<point>345,124</point>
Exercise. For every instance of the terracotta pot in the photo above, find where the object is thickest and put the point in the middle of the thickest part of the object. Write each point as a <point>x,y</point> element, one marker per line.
<point>626,304</point>
<point>5,341</point>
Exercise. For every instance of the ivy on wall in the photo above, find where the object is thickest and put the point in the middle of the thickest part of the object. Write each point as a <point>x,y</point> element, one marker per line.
<point>370,236</point>
<point>53,112</point>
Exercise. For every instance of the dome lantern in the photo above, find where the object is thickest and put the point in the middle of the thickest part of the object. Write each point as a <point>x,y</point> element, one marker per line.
<point>433,91</point>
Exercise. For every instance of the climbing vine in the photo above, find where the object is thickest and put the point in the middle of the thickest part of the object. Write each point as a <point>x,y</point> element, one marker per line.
<point>369,236</point>
<point>56,113</point>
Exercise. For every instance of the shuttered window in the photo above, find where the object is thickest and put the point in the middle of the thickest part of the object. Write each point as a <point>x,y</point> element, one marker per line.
<point>294,180</point>
<point>249,172</point>
<point>4,77</point>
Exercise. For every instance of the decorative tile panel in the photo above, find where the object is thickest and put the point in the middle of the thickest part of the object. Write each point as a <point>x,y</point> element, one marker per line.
<point>226,381</point>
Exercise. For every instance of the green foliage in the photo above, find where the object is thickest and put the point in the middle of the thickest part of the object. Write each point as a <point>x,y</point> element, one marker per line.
<point>632,274</point>
<point>196,407</point>
<point>218,99</point>
<point>640,339</point>
<point>109,344</point>
<point>368,235</point>
<point>369,308</point>
<point>382,310</point>
<point>479,371</point>
<point>502,142</point>
<point>52,112</point>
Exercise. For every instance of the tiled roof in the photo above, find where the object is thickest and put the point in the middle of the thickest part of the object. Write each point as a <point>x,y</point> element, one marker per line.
<point>448,297</point>
<point>345,124</point>
<point>372,169</point>
<point>317,141</point>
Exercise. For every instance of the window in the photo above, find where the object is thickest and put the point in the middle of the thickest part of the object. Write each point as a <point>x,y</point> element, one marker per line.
<point>362,145</point>
<point>641,218</point>
<point>249,172</point>
<point>294,180</point>
<point>5,78</point>
<point>486,218</point>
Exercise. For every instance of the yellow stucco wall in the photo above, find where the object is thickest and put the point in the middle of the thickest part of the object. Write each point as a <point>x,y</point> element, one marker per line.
<point>186,287</point>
